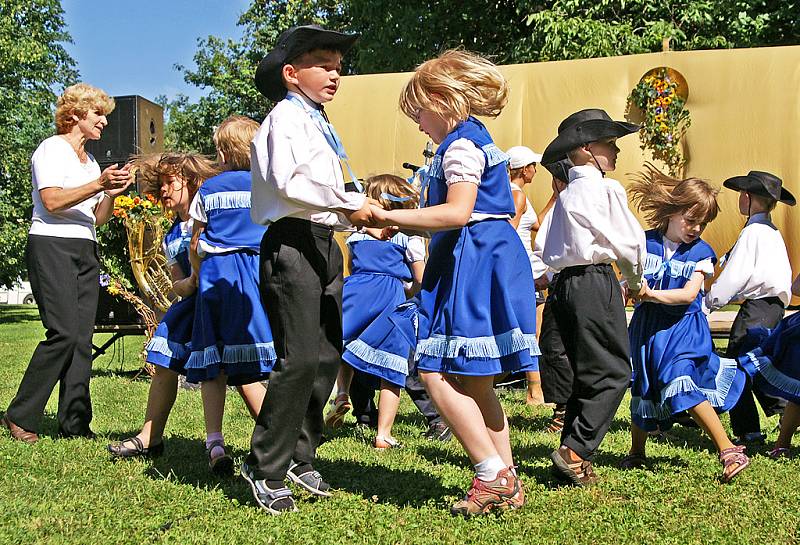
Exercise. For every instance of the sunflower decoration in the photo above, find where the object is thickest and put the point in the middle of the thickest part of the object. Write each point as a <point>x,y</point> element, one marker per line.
<point>661,97</point>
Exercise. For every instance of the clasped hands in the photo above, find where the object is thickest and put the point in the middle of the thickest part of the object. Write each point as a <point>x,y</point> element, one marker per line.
<point>644,294</point>
<point>115,181</point>
<point>372,215</point>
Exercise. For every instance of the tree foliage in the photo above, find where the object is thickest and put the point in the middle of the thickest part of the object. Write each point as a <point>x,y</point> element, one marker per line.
<point>33,62</point>
<point>397,36</point>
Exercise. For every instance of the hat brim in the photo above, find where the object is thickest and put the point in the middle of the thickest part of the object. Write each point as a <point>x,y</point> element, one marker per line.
<point>751,185</point>
<point>583,133</point>
<point>269,81</point>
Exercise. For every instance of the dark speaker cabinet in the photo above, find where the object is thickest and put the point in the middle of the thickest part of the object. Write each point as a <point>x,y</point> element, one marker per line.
<point>136,126</point>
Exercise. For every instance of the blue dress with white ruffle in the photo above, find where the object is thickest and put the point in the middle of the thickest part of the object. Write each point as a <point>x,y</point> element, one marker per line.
<point>171,343</point>
<point>474,314</point>
<point>775,363</point>
<point>674,364</point>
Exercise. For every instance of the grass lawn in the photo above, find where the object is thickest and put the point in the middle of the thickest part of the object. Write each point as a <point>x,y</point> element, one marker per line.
<point>69,491</point>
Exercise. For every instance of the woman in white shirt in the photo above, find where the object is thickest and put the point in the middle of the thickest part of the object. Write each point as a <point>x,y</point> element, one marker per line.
<point>521,169</point>
<point>70,196</point>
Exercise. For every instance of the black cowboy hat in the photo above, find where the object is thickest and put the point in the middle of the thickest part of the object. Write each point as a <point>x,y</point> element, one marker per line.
<point>560,169</point>
<point>763,184</point>
<point>291,44</point>
<point>583,127</point>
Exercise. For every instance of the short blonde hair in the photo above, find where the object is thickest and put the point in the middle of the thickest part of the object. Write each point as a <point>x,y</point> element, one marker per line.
<point>454,86</point>
<point>232,138</point>
<point>389,184</point>
<point>192,168</point>
<point>660,197</point>
<point>77,100</point>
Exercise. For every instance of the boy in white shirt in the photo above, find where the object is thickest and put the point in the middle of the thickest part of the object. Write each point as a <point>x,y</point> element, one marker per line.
<point>756,270</point>
<point>591,228</point>
<point>299,192</point>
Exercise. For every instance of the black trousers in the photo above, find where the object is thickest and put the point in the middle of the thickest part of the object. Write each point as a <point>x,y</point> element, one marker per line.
<point>362,396</point>
<point>588,308</point>
<point>64,279</point>
<point>765,312</point>
<point>554,366</point>
<point>301,289</point>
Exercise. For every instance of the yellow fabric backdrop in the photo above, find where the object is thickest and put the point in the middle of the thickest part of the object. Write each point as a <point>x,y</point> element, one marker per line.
<point>744,105</point>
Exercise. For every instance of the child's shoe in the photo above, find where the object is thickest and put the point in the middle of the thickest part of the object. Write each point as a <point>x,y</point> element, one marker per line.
<point>778,452</point>
<point>730,457</point>
<point>504,492</point>
<point>339,408</point>
<point>385,442</point>
<point>221,464</point>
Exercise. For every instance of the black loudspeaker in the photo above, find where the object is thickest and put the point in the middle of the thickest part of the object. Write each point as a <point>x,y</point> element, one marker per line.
<point>114,311</point>
<point>136,126</point>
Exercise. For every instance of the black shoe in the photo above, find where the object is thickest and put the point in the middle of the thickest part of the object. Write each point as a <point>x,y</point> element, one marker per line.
<point>86,435</point>
<point>138,450</point>
<point>439,431</point>
<point>752,438</point>
<point>308,479</point>
<point>272,500</point>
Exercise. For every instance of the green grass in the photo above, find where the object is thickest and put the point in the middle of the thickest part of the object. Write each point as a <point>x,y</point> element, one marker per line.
<point>70,492</point>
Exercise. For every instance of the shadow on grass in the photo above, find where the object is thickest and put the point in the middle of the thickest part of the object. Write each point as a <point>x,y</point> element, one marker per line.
<point>133,375</point>
<point>16,314</point>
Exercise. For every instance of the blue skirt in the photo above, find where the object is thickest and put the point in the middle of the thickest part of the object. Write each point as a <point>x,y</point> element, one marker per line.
<point>477,314</point>
<point>775,363</point>
<point>171,343</point>
<point>365,299</point>
<point>675,367</point>
<point>231,331</point>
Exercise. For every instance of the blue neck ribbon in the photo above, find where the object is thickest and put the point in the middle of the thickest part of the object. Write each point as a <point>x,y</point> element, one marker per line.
<point>331,136</point>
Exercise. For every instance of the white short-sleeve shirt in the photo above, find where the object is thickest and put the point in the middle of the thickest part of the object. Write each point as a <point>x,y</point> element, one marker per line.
<point>55,164</point>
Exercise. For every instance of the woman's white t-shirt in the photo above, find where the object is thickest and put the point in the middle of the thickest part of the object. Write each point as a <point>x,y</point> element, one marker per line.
<point>55,164</point>
<point>526,223</point>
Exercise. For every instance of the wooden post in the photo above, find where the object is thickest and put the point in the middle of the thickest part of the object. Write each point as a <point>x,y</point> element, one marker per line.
<point>665,45</point>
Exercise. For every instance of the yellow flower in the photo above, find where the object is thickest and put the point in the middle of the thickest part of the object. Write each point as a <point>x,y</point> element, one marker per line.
<point>663,127</point>
<point>659,118</point>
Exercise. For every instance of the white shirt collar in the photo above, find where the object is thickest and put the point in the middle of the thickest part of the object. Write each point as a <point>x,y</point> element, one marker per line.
<point>584,171</point>
<point>307,102</point>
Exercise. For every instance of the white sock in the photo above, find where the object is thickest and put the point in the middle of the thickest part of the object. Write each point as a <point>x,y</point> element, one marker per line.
<point>487,470</point>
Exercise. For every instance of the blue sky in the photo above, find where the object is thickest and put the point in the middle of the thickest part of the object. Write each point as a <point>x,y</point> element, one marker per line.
<point>130,47</point>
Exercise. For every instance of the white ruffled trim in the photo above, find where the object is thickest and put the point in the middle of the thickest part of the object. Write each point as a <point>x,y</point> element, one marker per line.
<point>684,384</point>
<point>677,269</point>
<point>774,376</point>
<point>494,155</point>
<point>225,200</point>
<point>164,346</point>
<point>238,353</point>
<point>497,346</point>
<point>376,357</point>
<point>201,359</point>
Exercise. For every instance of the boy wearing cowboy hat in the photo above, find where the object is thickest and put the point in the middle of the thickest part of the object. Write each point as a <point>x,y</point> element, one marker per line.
<point>591,228</point>
<point>756,270</point>
<point>299,191</point>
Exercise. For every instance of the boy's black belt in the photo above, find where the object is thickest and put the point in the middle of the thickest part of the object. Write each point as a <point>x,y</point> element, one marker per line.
<point>296,225</point>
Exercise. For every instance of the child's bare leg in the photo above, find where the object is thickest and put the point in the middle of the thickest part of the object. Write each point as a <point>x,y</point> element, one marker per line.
<point>535,396</point>
<point>253,396</point>
<point>789,424</point>
<point>343,380</point>
<point>708,419</point>
<point>213,394</point>
<point>388,405</point>
<point>160,399</point>
<point>463,414</point>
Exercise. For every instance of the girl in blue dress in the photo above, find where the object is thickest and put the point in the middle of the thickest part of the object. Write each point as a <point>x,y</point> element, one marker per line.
<point>475,318</point>
<point>231,336</point>
<point>379,270</point>
<point>174,179</point>
<point>675,368</point>
<point>775,368</point>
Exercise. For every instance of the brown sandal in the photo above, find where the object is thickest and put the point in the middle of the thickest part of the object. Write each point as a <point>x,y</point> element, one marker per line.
<point>633,461</point>
<point>733,456</point>
<point>576,473</point>
<point>556,424</point>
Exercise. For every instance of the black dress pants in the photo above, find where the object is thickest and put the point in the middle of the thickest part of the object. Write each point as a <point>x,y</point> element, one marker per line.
<point>554,366</point>
<point>588,308</point>
<point>767,313</point>
<point>301,289</point>
<point>63,273</point>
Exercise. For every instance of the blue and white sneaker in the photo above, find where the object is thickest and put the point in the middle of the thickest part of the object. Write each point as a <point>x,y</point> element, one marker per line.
<point>274,501</point>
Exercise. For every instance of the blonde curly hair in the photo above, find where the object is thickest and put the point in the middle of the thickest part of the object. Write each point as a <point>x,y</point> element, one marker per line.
<point>77,100</point>
<point>660,197</point>
<point>454,86</point>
